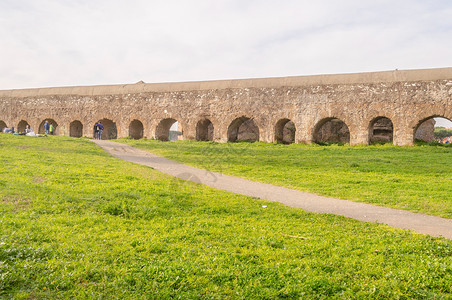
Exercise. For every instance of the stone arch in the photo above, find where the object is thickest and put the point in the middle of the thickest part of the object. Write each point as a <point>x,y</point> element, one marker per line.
<point>110,131</point>
<point>331,130</point>
<point>2,125</point>
<point>285,131</point>
<point>163,130</point>
<point>381,129</point>
<point>243,129</point>
<point>76,129</point>
<point>21,126</point>
<point>425,128</point>
<point>204,130</point>
<point>51,121</point>
<point>136,129</point>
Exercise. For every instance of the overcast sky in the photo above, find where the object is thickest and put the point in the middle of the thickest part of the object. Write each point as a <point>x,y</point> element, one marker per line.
<point>90,42</point>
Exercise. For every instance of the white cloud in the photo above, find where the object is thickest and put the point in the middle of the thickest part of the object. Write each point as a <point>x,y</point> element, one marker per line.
<point>80,42</point>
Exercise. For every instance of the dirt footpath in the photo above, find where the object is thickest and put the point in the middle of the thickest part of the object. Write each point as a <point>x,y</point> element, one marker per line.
<point>434,226</point>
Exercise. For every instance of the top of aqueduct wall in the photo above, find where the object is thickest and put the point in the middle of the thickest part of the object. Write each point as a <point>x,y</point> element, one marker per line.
<point>352,78</point>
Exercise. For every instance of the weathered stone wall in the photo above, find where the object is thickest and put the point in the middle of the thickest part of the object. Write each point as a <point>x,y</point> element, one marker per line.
<point>333,131</point>
<point>404,97</point>
<point>248,131</point>
<point>382,131</point>
<point>426,131</point>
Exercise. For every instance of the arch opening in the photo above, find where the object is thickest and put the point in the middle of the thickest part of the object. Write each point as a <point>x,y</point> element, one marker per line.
<point>52,122</point>
<point>331,131</point>
<point>381,130</point>
<point>110,131</point>
<point>243,129</point>
<point>136,129</point>
<point>168,130</point>
<point>204,130</point>
<point>22,125</point>
<point>434,129</point>
<point>2,125</point>
<point>76,129</point>
<point>285,131</point>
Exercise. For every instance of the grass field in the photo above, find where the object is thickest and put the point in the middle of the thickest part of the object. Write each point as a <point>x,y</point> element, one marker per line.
<point>417,178</point>
<point>77,223</point>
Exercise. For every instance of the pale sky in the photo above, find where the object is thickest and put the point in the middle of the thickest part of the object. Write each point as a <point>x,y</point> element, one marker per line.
<point>443,122</point>
<point>90,42</point>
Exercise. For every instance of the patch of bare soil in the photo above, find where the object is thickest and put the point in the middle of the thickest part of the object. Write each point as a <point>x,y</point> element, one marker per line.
<point>39,179</point>
<point>17,202</point>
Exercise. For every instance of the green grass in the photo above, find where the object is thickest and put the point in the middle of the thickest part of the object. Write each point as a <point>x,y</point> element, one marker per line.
<point>416,178</point>
<point>77,223</point>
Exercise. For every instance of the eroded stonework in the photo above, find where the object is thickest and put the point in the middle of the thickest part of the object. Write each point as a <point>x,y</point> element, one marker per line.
<point>425,132</point>
<point>406,98</point>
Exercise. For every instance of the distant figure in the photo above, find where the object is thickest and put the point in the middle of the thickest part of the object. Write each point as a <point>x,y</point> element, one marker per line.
<point>96,132</point>
<point>99,128</point>
<point>28,129</point>
<point>46,127</point>
<point>51,129</point>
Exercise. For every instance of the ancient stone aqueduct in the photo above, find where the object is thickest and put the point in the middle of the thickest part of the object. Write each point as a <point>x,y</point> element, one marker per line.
<point>355,108</point>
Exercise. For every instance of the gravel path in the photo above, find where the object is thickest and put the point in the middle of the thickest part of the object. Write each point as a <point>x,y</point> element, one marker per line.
<point>434,226</point>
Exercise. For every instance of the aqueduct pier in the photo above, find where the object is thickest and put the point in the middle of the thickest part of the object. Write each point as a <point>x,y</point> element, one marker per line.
<point>355,108</point>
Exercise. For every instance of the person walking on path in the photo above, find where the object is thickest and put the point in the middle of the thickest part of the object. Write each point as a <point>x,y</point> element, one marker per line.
<point>99,128</point>
<point>46,127</point>
<point>51,129</point>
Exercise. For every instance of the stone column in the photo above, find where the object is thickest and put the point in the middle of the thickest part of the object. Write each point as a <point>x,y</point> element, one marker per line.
<point>88,129</point>
<point>221,135</point>
<point>359,136</point>
<point>122,128</point>
<point>33,124</point>
<point>404,136</point>
<point>266,134</point>
<point>63,129</point>
<point>304,129</point>
<point>189,130</point>
<point>302,136</point>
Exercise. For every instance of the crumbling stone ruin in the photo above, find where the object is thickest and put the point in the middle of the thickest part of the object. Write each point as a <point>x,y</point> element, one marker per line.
<point>425,132</point>
<point>392,106</point>
<point>332,131</point>
<point>381,131</point>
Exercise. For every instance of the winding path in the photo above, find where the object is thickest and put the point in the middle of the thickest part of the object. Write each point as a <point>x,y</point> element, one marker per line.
<point>434,226</point>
